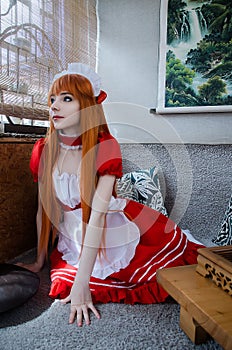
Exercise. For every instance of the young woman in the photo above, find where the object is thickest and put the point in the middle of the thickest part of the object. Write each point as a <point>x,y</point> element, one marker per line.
<point>109,248</point>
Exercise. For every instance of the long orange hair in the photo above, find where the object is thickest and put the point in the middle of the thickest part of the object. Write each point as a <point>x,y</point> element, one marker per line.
<point>92,122</point>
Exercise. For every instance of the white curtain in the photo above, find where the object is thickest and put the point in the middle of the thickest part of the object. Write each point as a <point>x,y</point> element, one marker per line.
<point>38,38</point>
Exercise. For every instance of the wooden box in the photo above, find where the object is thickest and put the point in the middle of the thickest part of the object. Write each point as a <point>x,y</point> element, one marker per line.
<point>216,263</point>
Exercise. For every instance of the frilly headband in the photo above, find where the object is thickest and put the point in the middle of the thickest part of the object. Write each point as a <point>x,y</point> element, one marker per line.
<point>85,71</point>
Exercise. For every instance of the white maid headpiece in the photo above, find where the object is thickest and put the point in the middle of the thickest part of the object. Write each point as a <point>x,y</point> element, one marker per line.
<point>84,70</point>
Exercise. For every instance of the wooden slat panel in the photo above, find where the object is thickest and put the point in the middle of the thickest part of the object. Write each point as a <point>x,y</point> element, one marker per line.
<point>18,199</point>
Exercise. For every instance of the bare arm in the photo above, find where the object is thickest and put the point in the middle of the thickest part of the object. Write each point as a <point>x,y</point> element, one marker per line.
<point>38,264</point>
<point>95,227</point>
<point>80,295</point>
<point>40,257</point>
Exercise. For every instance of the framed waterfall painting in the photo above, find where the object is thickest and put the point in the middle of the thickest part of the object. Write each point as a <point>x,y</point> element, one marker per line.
<point>195,63</point>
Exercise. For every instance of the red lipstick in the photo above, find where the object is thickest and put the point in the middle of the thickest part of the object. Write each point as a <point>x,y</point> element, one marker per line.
<point>57,117</point>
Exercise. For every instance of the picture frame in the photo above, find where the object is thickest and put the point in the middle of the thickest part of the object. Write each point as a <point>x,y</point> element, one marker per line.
<point>195,57</point>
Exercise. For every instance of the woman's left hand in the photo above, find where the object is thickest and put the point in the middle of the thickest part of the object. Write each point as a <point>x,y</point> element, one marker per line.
<point>81,303</point>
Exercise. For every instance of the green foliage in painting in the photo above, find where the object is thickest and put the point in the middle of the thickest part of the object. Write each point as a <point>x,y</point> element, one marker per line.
<point>211,58</point>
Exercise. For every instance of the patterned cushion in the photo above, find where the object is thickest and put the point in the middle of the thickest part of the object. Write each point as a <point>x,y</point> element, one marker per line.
<point>224,236</point>
<point>142,186</point>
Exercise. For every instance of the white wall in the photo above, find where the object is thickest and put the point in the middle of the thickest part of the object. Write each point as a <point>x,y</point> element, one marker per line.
<point>128,64</point>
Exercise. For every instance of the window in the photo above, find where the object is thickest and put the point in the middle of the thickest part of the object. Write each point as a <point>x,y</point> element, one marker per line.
<point>38,38</point>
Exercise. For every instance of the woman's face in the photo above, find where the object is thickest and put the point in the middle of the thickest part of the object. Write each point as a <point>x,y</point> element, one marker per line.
<point>65,113</point>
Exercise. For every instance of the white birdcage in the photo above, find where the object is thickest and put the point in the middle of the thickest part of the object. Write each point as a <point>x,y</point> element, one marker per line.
<point>37,39</point>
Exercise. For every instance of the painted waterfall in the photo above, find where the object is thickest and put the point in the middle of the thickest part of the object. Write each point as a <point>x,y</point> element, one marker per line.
<point>198,53</point>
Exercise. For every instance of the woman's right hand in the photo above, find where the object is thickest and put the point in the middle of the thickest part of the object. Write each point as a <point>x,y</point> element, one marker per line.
<point>34,267</point>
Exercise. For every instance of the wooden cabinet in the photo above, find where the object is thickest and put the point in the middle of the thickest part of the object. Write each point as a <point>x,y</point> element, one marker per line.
<point>18,197</point>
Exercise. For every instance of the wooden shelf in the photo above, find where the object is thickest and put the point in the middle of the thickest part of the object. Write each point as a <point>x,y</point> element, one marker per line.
<point>205,308</point>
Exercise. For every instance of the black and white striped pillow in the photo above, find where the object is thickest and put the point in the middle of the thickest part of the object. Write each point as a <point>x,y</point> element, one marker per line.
<point>224,236</point>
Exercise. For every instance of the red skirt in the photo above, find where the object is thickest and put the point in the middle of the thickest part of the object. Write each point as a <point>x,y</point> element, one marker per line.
<point>162,244</point>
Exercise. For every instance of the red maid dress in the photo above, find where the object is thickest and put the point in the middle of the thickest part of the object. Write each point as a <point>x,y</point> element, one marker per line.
<point>138,239</point>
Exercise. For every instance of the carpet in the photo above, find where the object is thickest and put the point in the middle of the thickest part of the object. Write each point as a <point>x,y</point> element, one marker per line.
<point>42,323</point>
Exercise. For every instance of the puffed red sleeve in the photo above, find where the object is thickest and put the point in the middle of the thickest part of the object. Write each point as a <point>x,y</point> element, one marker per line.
<point>35,158</point>
<point>109,158</point>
